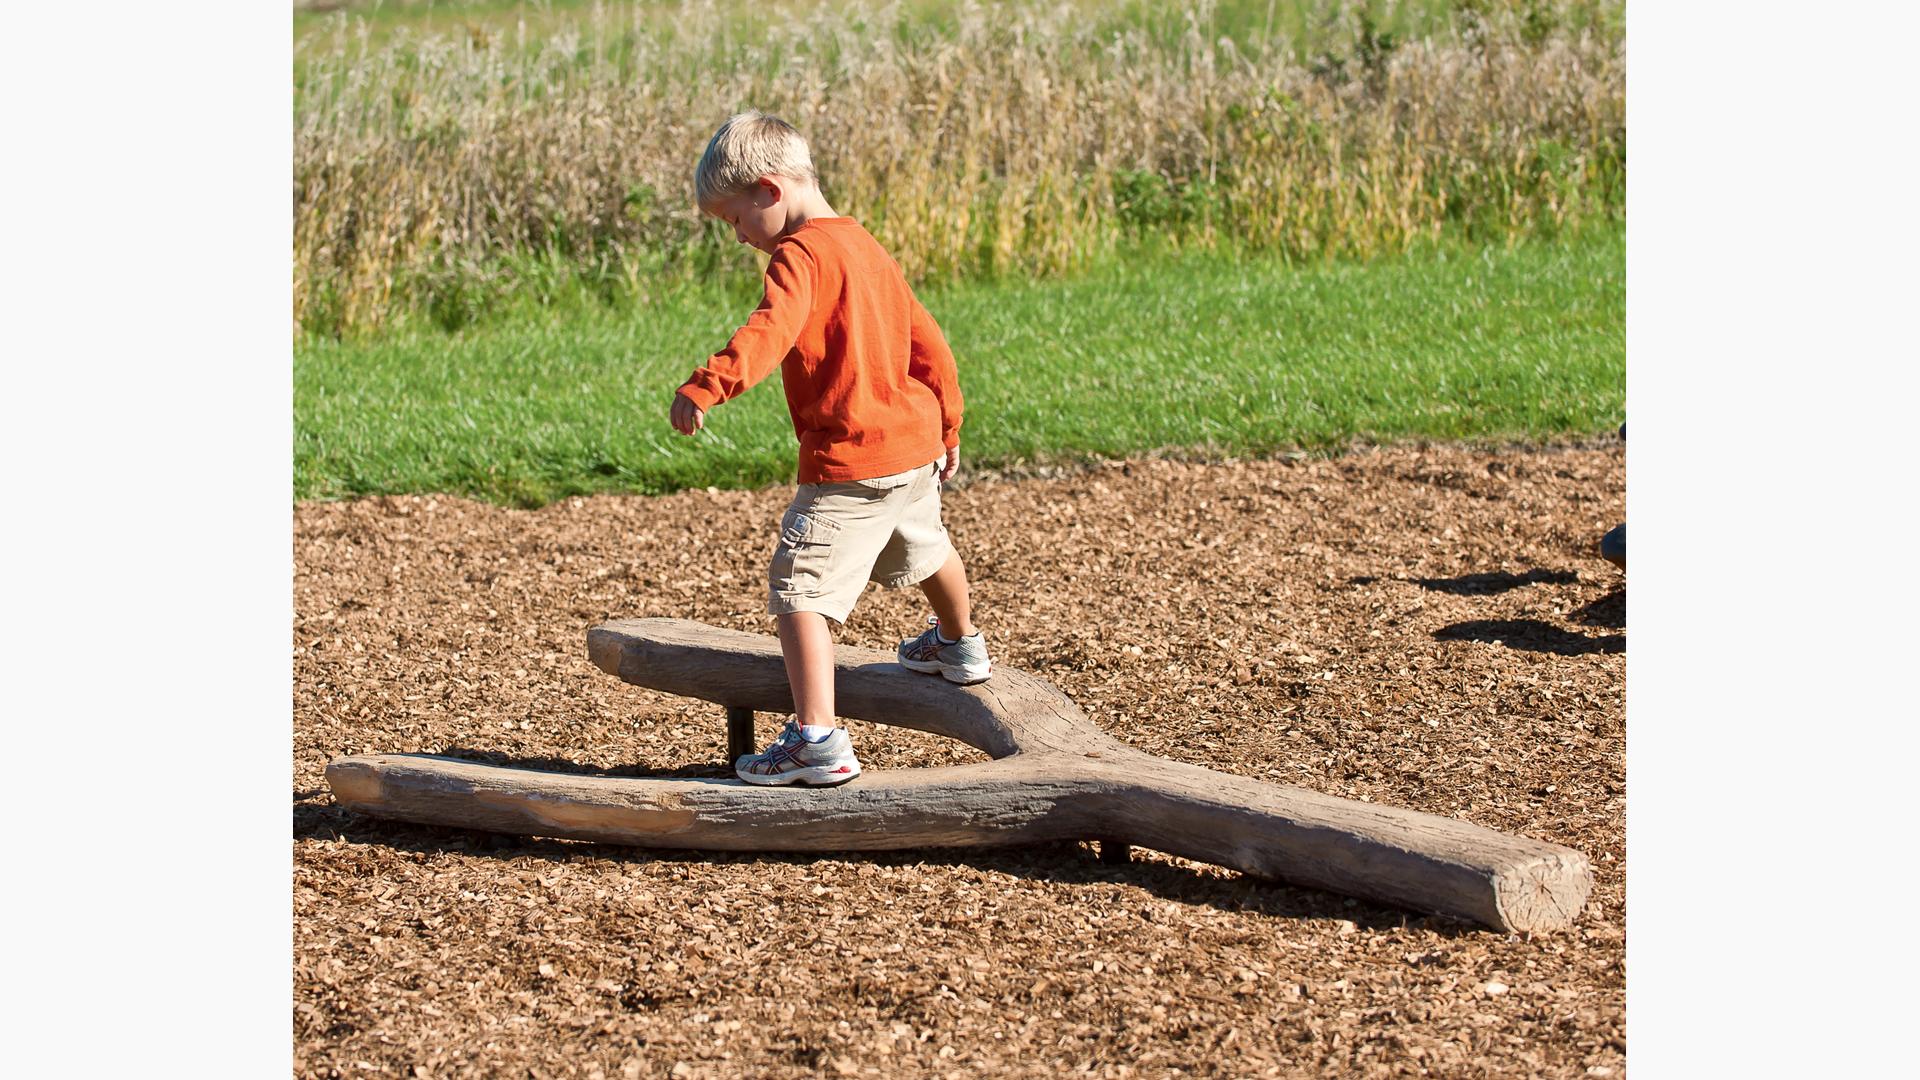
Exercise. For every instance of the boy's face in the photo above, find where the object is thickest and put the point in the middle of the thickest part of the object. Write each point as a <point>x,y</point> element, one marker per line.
<point>756,214</point>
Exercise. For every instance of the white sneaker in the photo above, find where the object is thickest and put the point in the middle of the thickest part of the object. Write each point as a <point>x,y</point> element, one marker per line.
<point>792,758</point>
<point>964,661</point>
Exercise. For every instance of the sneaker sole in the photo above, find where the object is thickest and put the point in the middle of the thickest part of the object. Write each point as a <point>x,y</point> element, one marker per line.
<point>965,676</point>
<point>811,776</point>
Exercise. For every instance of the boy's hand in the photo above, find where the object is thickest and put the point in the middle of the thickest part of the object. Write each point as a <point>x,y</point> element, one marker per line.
<point>686,417</point>
<point>952,466</point>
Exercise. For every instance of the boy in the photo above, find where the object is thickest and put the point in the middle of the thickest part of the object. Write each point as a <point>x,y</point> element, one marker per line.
<point>875,400</point>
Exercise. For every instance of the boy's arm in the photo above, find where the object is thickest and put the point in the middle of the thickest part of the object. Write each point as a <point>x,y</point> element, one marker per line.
<point>930,361</point>
<point>758,347</point>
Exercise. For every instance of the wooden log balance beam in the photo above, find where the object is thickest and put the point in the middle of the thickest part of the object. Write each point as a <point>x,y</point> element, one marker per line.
<point>1055,776</point>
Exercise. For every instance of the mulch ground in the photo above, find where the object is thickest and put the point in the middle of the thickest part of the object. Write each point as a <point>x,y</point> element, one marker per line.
<point>1427,628</point>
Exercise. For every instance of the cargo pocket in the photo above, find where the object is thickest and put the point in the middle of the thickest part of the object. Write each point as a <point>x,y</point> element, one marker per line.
<point>800,561</point>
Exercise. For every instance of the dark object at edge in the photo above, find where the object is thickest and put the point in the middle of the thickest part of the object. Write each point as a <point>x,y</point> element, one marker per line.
<point>1613,546</point>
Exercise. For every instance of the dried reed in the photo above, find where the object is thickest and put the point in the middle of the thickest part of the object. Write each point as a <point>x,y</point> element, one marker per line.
<point>443,176</point>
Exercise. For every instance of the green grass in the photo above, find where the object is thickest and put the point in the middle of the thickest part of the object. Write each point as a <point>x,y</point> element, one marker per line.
<point>1206,354</point>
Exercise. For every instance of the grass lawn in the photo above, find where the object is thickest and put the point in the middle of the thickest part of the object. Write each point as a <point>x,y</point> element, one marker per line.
<point>1202,353</point>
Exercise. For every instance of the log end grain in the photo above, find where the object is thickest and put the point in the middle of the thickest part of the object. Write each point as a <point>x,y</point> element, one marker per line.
<point>604,648</point>
<point>355,783</point>
<point>1543,893</point>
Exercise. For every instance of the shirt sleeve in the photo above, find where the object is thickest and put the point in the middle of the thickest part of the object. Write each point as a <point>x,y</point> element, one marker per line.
<point>769,334</point>
<point>931,362</point>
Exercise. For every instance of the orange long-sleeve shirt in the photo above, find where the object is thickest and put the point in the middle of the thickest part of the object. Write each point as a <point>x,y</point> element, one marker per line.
<point>870,382</point>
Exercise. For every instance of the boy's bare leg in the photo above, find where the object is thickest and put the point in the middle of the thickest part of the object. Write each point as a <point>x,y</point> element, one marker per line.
<point>947,591</point>
<point>806,643</point>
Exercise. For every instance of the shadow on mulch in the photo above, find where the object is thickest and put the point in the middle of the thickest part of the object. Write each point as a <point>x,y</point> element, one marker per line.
<point>1499,581</point>
<point>1531,635</point>
<point>1065,862</point>
<point>1482,584</point>
<point>1609,611</point>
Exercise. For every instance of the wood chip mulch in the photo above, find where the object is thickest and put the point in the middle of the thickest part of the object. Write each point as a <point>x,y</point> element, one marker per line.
<point>1430,628</point>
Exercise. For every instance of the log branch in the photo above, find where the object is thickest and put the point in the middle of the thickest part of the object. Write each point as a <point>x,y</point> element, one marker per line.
<point>1056,776</point>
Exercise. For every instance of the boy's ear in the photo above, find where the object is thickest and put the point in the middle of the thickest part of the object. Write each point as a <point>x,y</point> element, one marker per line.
<point>769,188</point>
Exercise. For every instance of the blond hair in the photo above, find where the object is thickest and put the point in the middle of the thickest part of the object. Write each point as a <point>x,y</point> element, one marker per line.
<point>748,146</point>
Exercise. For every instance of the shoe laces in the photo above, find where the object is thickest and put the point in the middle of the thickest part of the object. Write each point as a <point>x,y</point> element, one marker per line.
<point>789,735</point>
<point>929,638</point>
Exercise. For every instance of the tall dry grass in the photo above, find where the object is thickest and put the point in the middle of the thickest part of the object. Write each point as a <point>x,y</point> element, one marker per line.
<point>447,175</point>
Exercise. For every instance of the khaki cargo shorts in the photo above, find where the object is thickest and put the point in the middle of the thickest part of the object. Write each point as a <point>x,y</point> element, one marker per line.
<point>835,538</point>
